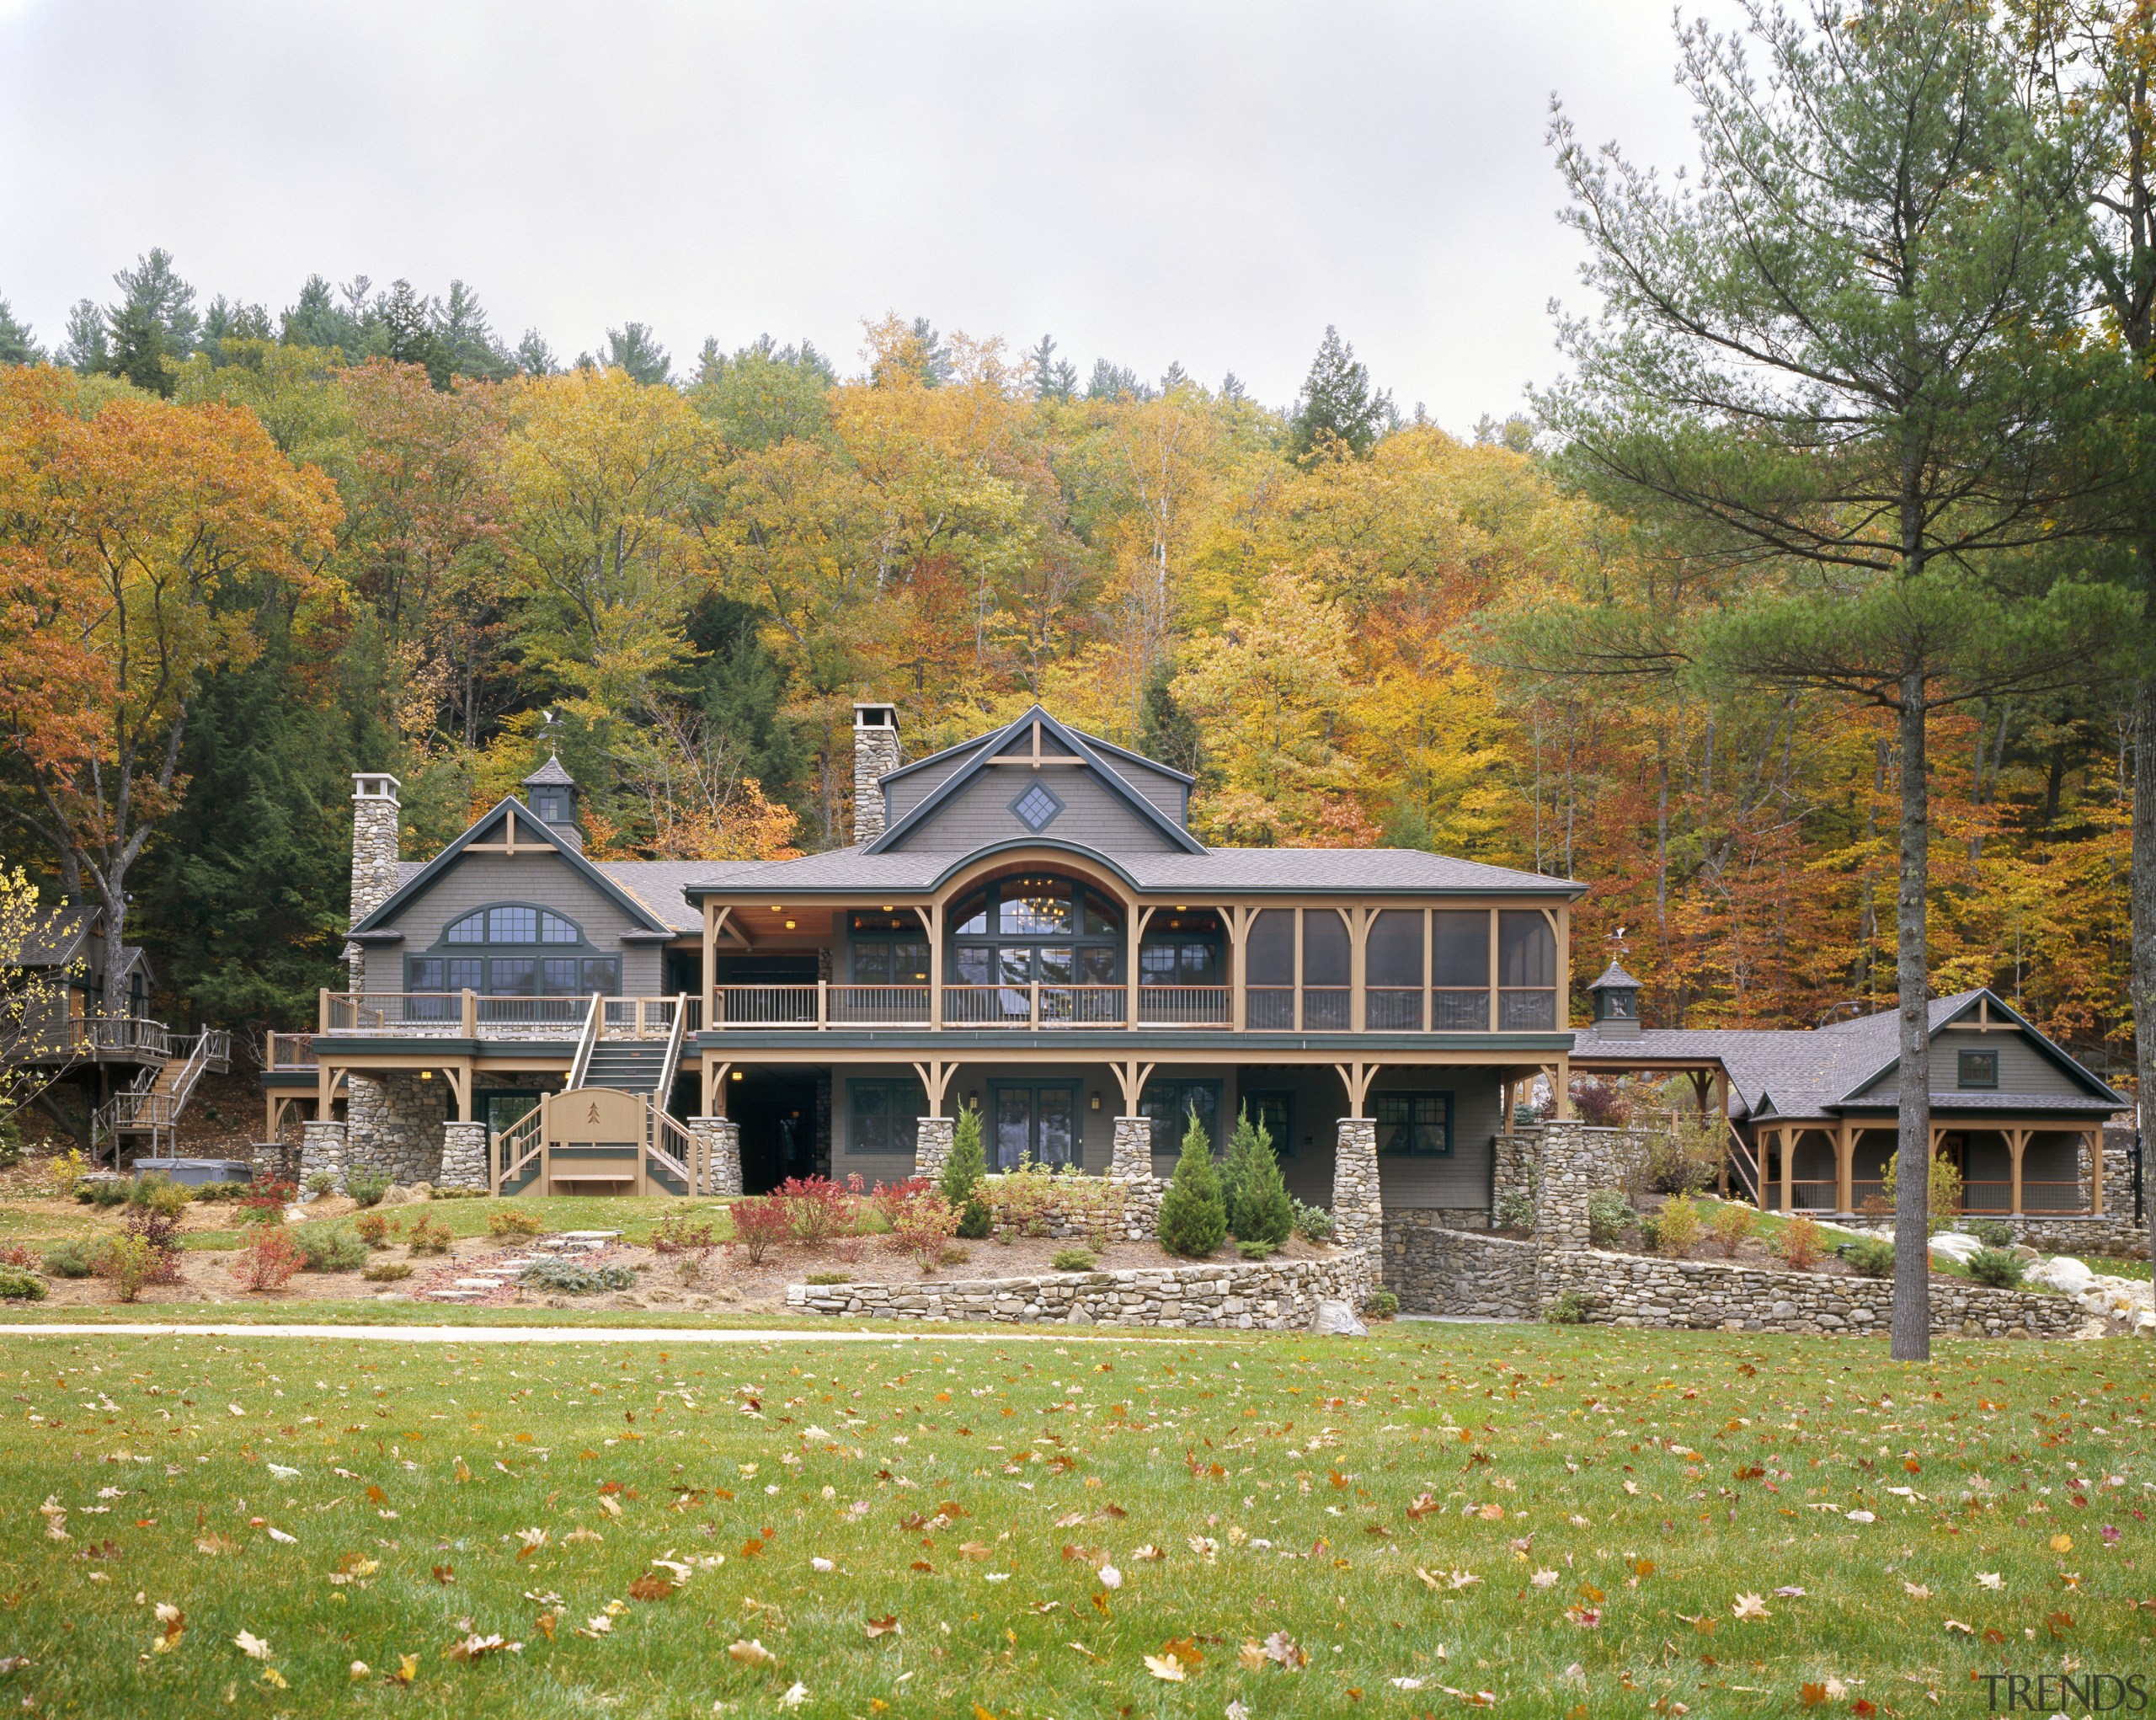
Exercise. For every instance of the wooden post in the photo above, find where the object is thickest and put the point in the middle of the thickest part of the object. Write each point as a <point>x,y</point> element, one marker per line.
<point>469,1014</point>
<point>1844,1168</point>
<point>1298,970</point>
<point>1492,975</point>
<point>1358,967</point>
<point>322,1019</point>
<point>1789,1171</point>
<point>2096,1171</point>
<point>1430,976</point>
<point>2017,1143</point>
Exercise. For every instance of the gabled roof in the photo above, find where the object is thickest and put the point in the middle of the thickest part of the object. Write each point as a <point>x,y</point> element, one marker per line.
<point>1820,1072</point>
<point>540,835</point>
<point>1077,746</point>
<point>57,937</point>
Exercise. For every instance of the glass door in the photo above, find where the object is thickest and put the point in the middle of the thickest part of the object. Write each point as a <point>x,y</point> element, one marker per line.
<point>1039,1122</point>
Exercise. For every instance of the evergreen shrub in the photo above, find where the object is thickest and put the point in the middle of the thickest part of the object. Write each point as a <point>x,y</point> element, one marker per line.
<point>1193,1211</point>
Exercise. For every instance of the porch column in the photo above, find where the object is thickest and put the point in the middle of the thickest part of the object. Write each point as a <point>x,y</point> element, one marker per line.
<point>1358,1208</point>
<point>721,1140</point>
<point>931,1145</point>
<point>464,1149</point>
<point>1844,1170</point>
<point>322,1147</point>
<point>2017,1142</point>
<point>1781,1139</point>
<point>2096,1172</point>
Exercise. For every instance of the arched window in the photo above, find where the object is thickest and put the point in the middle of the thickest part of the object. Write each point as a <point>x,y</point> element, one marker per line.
<point>513,949</point>
<point>1040,928</point>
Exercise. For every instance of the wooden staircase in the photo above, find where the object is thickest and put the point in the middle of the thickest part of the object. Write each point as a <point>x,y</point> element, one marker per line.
<point>148,1114</point>
<point>597,1140</point>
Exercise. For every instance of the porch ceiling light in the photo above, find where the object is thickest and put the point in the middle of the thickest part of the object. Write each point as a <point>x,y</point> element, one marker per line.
<point>777,909</point>
<point>737,1074</point>
<point>789,925</point>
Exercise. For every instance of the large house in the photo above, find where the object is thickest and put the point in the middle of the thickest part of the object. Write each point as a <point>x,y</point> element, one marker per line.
<point>1025,925</point>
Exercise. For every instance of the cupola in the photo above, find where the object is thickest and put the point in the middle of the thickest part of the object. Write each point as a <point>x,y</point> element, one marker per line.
<point>550,791</point>
<point>1616,996</point>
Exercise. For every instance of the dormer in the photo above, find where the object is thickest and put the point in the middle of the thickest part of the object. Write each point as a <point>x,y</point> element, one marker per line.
<point>550,791</point>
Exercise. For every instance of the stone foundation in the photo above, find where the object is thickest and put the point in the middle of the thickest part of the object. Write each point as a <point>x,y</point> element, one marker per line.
<point>1130,1163</point>
<point>1435,1268</point>
<point>931,1145</point>
<point>1269,1295</point>
<point>275,1160</point>
<point>1630,1290</point>
<point>463,1157</point>
<point>722,1141</point>
<point>394,1123</point>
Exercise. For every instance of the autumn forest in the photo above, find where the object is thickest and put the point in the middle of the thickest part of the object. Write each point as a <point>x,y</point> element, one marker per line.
<point>368,532</point>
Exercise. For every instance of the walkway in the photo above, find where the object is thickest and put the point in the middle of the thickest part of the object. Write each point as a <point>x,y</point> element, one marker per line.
<point>578,1334</point>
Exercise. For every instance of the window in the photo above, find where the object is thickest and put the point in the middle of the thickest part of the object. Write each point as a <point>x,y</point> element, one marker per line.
<point>1977,1069</point>
<point>1036,1121</point>
<point>551,957</point>
<point>434,973</point>
<point>1527,972</point>
<point>514,922</point>
<point>1036,908</point>
<point>885,1113</point>
<point>889,949</point>
<point>1036,808</point>
<point>1460,952</point>
<point>513,976</point>
<point>1171,1105</point>
<point>1052,930</point>
<point>1418,1125</point>
<point>551,804</point>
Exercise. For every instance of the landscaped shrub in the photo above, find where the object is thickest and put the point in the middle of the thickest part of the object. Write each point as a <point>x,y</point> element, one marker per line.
<point>1193,1215</point>
<point>265,1201</point>
<point>320,1183</point>
<point>1073,1260</point>
<point>429,1236</point>
<point>1254,1250</point>
<point>1679,1228</point>
<point>963,1172</point>
<point>1943,1196</point>
<point>1870,1257</point>
<point>1801,1244</point>
<point>101,1191</point>
<point>160,1194</point>
<point>74,1258</point>
<point>920,1217</point>
<point>215,1192</point>
<point>367,1187</point>
<point>1570,1309</point>
<point>1381,1305</point>
<point>158,1232</point>
<point>1688,1158</point>
<point>387,1271</point>
<point>127,1263</point>
<point>1021,1203</point>
<point>568,1279</point>
<point>816,1208</point>
<point>1731,1225</point>
<point>455,1193</point>
<point>68,1170</point>
<point>19,1254</point>
<point>375,1229</point>
<point>331,1248</point>
<point>1996,1268</point>
<point>1259,1208</point>
<point>1649,1225</point>
<point>1608,1213</point>
<point>1599,1104</point>
<point>17,1285</point>
<point>268,1261</point>
<point>761,1223</point>
<point>513,1221</point>
<point>830,1277</point>
<point>1313,1224</point>
<point>1515,1213</point>
<point>678,1234</point>
<point>1992,1233</point>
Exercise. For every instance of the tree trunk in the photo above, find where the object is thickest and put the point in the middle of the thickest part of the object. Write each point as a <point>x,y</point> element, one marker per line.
<point>2142,982</point>
<point>1911,1316</point>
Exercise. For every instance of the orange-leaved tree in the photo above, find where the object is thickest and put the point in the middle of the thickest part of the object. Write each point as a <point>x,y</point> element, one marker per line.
<point>139,539</point>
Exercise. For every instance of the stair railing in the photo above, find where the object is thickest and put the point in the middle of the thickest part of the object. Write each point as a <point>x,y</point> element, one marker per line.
<point>669,1063</point>
<point>585,1045</point>
<point>515,1148</point>
<point>1744,1164</point>
<point>677,1150</point>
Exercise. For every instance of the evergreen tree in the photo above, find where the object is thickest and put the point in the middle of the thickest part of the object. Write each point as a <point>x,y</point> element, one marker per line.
<point>87,347</point>
<point>467,341</point>
<point>316,318</point>
<point>1113,383</point>
<point>534,357</point>
<point>16,345</point>
<point>1167,731</point>
<point>743,689</point>
<point>633,348</point>
<point>1336,404</point>
<point>963,1172</point>
<point>406,330</point>
<point>1259,1210</point>
<point>765,393</point>
<point>154,325</point>
<point>1193,1211</point>
<point>1054,378</point>
<point>226,319</point>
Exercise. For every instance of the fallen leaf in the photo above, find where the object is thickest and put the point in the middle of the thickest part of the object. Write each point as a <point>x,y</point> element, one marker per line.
<point>752,1653</point>
<point>1749,1606</point>
<point>881,1626</point>
<point>475,1646</point>
<point>650,1586</point>
<point>1165,1667</point>
<point>252,1645</point>
<point>1990,1579</point>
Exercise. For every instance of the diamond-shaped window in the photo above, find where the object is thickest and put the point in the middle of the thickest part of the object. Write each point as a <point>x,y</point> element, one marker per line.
<point>1036,808</point>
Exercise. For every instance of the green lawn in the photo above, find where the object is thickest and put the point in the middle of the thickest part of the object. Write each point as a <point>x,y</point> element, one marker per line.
<point>1564,1519</point>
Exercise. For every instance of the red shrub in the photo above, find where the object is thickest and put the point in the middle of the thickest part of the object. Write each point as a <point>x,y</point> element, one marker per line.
<point>158,1232</point>
<point>920,1218</point>
<point>265,1201</point>
<point>1599,1105</point>
<point>20,1255</point>
<point>818,1209</point>
<point>759,1222</point>
<point>269,1261</point>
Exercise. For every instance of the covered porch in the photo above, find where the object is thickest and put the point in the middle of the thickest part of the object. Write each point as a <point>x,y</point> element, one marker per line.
<point>2034,1167</point>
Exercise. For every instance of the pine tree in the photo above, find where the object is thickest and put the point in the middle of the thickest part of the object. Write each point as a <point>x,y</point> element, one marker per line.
<point>1258,1207</point>
<point>17,347</point>
<point>154,321</point>
<point>1336,404</point>
<point>962,1175</point>
<point>633,348</point>
<point>1194,1212</point>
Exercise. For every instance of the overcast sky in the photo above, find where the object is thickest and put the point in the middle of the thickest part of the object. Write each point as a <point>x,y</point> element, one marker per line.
<point>1211,185</point>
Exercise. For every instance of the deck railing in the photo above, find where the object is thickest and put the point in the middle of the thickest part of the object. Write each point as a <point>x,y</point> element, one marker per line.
<point>1989,1198</point>
<point>49,1033</point>
<point>472,1015</point>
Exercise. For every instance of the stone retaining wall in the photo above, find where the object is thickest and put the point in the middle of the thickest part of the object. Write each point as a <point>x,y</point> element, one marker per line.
<point>1434,1268</point>
<point>1631,1289</point>
<point>1272,1295</point>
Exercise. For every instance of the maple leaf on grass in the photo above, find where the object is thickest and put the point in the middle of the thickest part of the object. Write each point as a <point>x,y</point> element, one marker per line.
<point>1165,1667</point>
<point>751,1652</point>
<point>1750,1606</point>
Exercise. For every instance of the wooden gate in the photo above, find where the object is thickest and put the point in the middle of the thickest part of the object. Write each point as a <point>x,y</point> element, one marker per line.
<point>598,1141</point>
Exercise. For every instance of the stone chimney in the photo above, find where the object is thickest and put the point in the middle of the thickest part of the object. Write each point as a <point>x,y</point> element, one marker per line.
<point>374,856</point>
<point>875,754</point>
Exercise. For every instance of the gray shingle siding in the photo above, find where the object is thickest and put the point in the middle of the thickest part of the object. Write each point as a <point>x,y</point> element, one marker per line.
<point>2022,1068</point>
<point>475,880</point>
<point>979,813</point>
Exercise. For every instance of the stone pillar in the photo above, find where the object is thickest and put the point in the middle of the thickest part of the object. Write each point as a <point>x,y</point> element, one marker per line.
<point>875,753</point>
<point>1358,1208</point>
<point>394,1123</point>
<point>1570,1163</point>
<point>1130,1162</point>
<point>275,1161</point>
<point>374,859</point>
<point>463,1157</point>
<point>721,1137</point>
<point>932,1145</point>
<point>322,1148</point>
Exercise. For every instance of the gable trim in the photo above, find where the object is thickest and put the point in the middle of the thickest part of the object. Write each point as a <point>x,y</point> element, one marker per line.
<point>2044,1046</point>
<point>542,837</point>
<point>1077,745</point>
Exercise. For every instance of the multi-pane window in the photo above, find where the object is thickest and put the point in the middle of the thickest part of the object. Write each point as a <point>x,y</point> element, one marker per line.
<point>889,949</point>
<point>885,1115</point>
<point>1977,1069</point>
<point>1036,808</point>
<point>1041,929</point>
<point>512,922</point>
<point>1171,1105</point>
<point>1415,1124</point>
<point>530,952</point>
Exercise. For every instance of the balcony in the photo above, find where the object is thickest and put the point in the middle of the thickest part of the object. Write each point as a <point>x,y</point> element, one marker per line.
<point>1041,1007</point>
<point>471,1015</point>
<point>56,1034</point>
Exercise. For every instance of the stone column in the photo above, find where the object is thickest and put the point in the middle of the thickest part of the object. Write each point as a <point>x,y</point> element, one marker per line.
<point>374,858</point>
<point>1130,1163</point>
<point>1570,1165</point>
<point>932,1145</point>
<point>394,1123</point>
<point>1358,1208</point>
<point>463,1155</point>
<point>322,1148</point>
<point>721,1137</point>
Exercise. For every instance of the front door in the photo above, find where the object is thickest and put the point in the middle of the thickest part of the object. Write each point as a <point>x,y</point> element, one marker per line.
<point>1037,1121</point>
